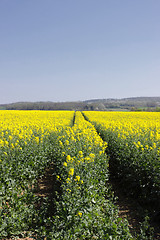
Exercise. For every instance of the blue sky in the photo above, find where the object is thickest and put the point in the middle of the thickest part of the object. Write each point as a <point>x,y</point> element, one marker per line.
<point>67,50</point>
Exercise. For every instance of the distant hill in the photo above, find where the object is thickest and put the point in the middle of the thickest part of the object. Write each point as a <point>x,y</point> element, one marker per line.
<point>110,104</point>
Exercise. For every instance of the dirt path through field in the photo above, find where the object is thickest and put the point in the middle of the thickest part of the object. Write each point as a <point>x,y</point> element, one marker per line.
<point>45,188</point>
<point>128,208</point>
<point>131,210</point>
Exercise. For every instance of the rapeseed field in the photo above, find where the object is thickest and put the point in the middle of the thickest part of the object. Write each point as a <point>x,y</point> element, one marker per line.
<point>83,148</point>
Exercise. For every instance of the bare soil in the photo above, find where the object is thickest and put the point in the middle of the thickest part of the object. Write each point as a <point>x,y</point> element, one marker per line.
<point>131,210</point>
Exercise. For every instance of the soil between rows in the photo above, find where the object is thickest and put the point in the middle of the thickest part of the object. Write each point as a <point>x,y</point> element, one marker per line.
<point>131,209</point>
<point>128,208</point>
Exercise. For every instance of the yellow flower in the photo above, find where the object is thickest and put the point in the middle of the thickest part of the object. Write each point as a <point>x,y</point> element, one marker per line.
<point>67,142</point>
<point>60,143</point>
<point>6,142</point>
<point>79,214</point>
<point>71,171</point>
<point>77,178</point>
<point>68,180</point>
<point>37,139</point>
<point>154,145</point>
<point>80,153</point>
<point>87,159</point>
<point>10,137</point>
<point>65,164</point>
<point>63,153</point>
<point>68,158</point>
<point>92,155</point>
<point>12,145</point>
<point>58,177</point>
<point>73,139</point>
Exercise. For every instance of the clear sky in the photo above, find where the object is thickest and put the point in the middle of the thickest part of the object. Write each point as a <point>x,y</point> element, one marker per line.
<point>69,50</point>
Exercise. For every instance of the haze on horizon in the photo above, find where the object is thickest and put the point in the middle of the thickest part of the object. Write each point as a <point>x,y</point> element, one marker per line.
<point>78,50</point>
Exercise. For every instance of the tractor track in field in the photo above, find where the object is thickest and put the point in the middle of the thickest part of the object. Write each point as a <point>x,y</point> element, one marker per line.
<point>127,207</point>
<point>45,188</point>
<point>130,209</point>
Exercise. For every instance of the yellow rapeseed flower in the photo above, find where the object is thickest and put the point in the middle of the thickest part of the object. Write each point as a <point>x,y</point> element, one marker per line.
<point>63,153</point>
<point>71,171</point>
<point>68,158</point>
<point>68,190</point>
<point>77,178</point>
<point>67,142</point>
<point>58,177</point>
<point>68,180</point>
<point>79,214</point>
<point>65,164</point>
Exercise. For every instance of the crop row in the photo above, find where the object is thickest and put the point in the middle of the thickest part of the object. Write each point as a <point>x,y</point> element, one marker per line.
<point>26,143</point>
<point>134,149</point>
<point>85,209</point>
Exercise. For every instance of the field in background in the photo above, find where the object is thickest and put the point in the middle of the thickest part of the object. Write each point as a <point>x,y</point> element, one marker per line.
<point>111,104</point>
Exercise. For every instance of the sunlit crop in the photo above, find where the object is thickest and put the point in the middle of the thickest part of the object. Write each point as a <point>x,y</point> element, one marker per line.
<point>134,147</point>
<point>27,140</point>
<point>26,124</point>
